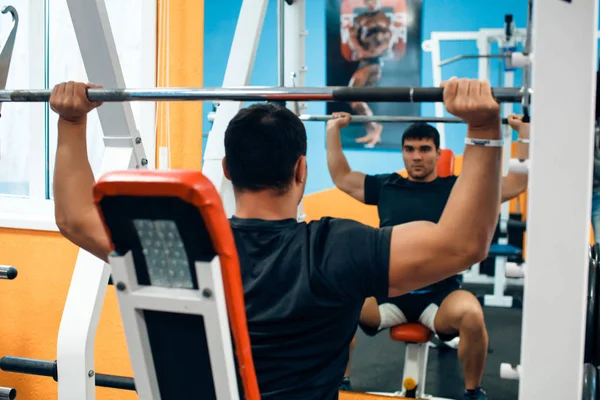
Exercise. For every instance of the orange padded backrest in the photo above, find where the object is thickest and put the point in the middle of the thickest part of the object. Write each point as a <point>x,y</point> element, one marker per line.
<point>194,188</point>
<point>445,165</point>
<point>411,333</point>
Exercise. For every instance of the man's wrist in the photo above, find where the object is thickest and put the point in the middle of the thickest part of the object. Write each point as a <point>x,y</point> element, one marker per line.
<point>523,133</point>
<point>73,121</point>
<point>488,130</point>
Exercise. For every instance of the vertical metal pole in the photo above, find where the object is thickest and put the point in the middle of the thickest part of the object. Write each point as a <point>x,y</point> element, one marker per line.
<point>238,72</point>
<point>280,43</point>
<point>294,59</point>
<point>555,294</point>
<point>527,70</point>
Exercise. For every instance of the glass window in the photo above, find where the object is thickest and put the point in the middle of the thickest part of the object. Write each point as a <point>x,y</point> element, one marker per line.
<point>19,119</point>
<point>46,53</point>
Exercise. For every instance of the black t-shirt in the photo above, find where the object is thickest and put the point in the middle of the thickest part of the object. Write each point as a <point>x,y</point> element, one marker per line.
<point>304,286</point>
<point>400,200</point>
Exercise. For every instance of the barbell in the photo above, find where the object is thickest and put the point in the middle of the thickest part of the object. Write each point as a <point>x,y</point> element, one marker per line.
<point>362,119</point>
<point>257,93</point>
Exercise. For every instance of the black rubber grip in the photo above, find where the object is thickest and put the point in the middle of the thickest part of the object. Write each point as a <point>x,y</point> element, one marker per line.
<point>115,382</point>
<point>416,94</point>
<point>12,273</point>
<point>48,368</point>
<point>28,366</point>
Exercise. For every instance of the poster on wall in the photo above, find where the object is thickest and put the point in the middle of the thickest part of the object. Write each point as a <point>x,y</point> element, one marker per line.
<point>374,43</point>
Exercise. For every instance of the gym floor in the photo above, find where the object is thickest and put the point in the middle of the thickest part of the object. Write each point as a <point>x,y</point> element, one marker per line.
<point>377,362</point>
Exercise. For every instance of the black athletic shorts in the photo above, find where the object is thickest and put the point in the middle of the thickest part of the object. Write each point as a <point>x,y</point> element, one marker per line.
<point>412,306</point>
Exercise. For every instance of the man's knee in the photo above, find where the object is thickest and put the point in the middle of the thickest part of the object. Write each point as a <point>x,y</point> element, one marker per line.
<point>472,318</point>
<point>370,315</point>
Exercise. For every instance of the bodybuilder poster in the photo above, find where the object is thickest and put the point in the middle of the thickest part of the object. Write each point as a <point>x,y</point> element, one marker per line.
<point>374,43</point>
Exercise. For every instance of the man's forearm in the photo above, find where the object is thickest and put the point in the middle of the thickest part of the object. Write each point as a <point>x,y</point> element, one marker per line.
<point>477,188</point>
<point>513,184</point>
<point>73,176</point>
<point>336,160</point>
<point>522,149</point>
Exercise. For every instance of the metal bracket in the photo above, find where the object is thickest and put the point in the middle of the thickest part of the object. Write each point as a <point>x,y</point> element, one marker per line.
<point>7,49</point>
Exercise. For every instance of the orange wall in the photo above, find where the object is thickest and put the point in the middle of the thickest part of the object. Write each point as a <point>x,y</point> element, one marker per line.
<point>186,52</point>
<point>32,304</point>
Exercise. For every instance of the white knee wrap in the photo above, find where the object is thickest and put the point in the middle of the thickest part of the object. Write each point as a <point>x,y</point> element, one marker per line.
<point>390,316</point>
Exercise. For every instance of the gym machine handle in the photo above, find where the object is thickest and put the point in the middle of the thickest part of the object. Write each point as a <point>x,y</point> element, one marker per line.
<point>7,394</point>
<point>8,272</point>
<point>49,368</point>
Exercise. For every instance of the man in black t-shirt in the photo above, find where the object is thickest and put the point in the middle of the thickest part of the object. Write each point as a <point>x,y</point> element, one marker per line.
<point>421,196</point>
<point>305,283</point>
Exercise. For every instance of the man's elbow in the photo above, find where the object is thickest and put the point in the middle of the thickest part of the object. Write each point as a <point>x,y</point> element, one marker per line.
<point>473,253</point>
<point>339,179</point>
<point>62,221</point>
<point>68,227</point>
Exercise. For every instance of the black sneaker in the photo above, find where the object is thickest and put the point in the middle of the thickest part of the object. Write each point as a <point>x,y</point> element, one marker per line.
<point>345,384</point>
<point>477,394</point>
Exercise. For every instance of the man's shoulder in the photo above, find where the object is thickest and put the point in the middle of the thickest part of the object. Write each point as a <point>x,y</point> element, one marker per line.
<point>327,228</point>
<point>387,177</point>
<point>335,223</point>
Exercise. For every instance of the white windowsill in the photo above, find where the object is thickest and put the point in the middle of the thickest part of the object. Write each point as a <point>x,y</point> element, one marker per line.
<point>24,213</point>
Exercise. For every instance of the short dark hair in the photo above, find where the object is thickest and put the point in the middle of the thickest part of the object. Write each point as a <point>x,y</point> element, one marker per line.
<point>421,130</point>
<point>263,143</point>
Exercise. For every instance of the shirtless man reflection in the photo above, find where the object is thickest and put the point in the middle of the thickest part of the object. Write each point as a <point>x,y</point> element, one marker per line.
<point>370,37</point>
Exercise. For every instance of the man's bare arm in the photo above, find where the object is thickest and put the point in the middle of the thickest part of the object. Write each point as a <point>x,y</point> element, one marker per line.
<point>76,214</point>
<point>515,184</point>
<point>423,253</point>
<point>348,181</point>
<point>353,42</point>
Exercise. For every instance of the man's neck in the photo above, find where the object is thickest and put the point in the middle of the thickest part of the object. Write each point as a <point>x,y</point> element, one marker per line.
<point>265,206</point>
<point>429,178</point>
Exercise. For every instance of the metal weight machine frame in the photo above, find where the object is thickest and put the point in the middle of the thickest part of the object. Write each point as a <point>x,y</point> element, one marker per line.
<point>484,39</point>
<point>555,289</point>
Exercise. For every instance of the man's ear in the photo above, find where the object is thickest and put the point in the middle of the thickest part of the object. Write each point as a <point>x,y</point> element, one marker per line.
<point>301,172</point>
<point>225,170</point>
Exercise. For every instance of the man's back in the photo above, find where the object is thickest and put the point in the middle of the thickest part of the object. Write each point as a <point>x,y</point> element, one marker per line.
<point>304,285</point>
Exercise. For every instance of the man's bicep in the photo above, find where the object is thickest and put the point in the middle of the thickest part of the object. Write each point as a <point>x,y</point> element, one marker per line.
<point>354,185</point>
<point>420,255</point>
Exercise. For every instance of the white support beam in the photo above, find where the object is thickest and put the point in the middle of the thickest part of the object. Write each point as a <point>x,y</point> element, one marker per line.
<point>557,243</point>
<point>294,60</point>
<point>124,149</point>
<point>238,73</point>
